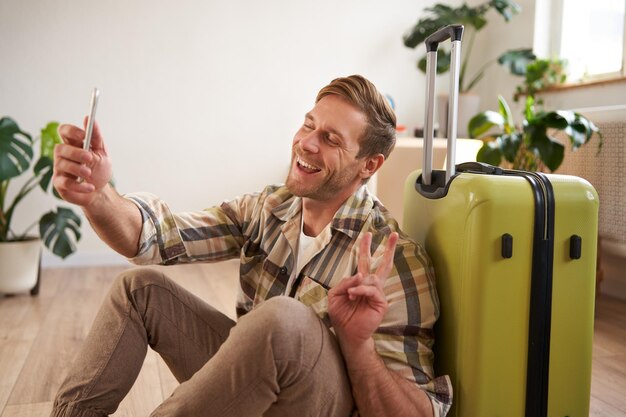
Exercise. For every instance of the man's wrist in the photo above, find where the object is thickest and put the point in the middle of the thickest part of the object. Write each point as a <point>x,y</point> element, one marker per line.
<point>360,356</point>
<point>101,198</point>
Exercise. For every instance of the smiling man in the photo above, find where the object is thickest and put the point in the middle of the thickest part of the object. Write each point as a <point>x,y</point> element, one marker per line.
<point>336,307</point>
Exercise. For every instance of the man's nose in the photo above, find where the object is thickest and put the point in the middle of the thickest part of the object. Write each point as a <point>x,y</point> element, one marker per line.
<point>310,142</point>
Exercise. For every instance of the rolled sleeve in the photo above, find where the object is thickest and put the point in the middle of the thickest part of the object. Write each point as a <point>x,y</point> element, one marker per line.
<point>209,235</point>
<point>160,241</point>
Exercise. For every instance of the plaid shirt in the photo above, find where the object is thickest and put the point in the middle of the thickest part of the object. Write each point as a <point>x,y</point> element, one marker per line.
<point>263,230</point>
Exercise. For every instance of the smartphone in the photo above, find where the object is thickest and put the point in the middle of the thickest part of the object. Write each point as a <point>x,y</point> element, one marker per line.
<point>90,118</point>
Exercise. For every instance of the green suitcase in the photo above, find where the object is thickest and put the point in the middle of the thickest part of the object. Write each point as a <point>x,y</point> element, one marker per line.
<point>514,255</point>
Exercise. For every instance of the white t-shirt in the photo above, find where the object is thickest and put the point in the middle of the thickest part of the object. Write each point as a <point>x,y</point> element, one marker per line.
<point>305,252</point>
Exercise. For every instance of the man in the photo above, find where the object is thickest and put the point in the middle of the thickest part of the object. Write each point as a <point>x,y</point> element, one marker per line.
<point>336,308</point>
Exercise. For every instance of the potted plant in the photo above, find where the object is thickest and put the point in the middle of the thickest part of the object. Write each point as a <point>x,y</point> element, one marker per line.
<point>539,75</point>
<point>474,19</point>
<point>20,253</point>
<point>531,146</point>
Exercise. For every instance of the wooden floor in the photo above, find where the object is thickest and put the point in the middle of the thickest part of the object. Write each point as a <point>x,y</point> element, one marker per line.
<point>39,336</point>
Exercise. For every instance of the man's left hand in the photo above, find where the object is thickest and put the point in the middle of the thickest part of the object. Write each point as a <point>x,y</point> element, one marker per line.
<point>357,304</point>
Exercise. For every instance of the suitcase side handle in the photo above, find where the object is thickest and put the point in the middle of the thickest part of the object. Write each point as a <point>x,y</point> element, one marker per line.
<point>455,34</point>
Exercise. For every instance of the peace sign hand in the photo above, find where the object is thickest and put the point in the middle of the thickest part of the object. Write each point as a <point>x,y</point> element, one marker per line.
<point>357,305</point>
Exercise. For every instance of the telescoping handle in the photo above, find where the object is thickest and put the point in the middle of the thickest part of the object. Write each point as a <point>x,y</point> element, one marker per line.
<point>455,34</point>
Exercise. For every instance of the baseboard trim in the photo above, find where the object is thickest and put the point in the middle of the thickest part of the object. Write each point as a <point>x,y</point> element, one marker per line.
<point>82,258</point>
<point>613,264</point>
<point>614,248</point>
<point>613,288</point>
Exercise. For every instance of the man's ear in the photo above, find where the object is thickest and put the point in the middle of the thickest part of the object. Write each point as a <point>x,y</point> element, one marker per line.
<point>372,164</point>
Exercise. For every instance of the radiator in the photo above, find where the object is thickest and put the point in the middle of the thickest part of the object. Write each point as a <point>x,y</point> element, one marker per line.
<point>605,169</point>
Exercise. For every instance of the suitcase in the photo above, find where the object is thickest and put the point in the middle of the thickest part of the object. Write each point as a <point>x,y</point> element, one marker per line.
<point>514,255</point>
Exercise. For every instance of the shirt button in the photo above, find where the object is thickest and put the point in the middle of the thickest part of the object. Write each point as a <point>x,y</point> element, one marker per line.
<point>283,271</point>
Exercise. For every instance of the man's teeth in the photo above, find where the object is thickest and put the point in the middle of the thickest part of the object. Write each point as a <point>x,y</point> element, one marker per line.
<point>308,166</point>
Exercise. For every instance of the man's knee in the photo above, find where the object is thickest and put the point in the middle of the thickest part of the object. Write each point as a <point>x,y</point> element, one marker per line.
<point>286,315</point>
<point>301,351</point>
<point>128,282</point>
<point>290,329</point>
<point>133,279</point>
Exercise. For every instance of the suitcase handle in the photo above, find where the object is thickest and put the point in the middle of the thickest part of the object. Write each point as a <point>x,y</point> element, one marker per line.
<point>455,34</point>
<point>479,167</point>
<point>452,32</point>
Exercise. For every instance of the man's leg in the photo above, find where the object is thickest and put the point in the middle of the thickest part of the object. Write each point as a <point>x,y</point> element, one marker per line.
<point>279,360</point>
<point>142,308</point>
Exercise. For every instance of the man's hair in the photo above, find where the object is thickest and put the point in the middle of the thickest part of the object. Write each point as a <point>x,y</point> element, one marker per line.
<point>380,133</point>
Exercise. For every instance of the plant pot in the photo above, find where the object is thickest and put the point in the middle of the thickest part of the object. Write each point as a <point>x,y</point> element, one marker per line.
<point>21,266</point>
<point>469,106</point>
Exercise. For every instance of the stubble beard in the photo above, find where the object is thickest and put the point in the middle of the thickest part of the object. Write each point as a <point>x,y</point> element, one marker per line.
<point>328,188</point>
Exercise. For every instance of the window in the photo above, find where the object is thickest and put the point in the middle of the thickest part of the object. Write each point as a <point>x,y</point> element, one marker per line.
<point>588,34</point>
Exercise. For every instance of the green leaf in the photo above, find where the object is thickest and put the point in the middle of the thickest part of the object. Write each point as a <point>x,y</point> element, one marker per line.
<point>417,34</point>
<point>472,17</point>
<point>516,60</point>
<point>506,8</point>
<point>60,231</point>
<point>529,109</point>
<point>484,121</point>
<point>16,152</point>
<point>551,153</point>
<point>583,124</point>
<point>555,119</point>
<point>541,74</point>
<point>44,167</point>
<point>490,154</point>
<point>536,70</point>
<point>576,136</point>
<point>592,126</point>
<point>421,64</point>
<point>534,134</point>
<point>581,130</point>
<point>443,62</point>
<point>440,15</point>
<point>49,139</point>
<point>509,145</point>
<point>505,111</point>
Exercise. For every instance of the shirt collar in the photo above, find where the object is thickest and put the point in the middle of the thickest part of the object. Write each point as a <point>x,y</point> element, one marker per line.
<point>351,216</point>
<point>288,208</point>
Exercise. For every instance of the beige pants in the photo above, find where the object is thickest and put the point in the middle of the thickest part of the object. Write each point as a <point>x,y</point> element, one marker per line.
<point>278,360</point>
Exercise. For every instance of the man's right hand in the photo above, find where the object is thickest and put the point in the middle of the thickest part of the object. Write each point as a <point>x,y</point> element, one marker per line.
<point>71,162</point>
<point>117,221</point>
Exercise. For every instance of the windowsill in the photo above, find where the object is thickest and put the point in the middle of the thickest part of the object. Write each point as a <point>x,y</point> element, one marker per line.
<point>584,84</point>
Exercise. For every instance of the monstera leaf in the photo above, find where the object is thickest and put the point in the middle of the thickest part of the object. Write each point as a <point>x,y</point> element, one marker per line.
<point>16,151</point>
<point>516,60</point>
<point>60,231</point>
<point>474,19</point>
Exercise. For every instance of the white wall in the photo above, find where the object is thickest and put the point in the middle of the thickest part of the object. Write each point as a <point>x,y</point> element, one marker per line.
<point>495,38</point>
<point>199,99</point>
